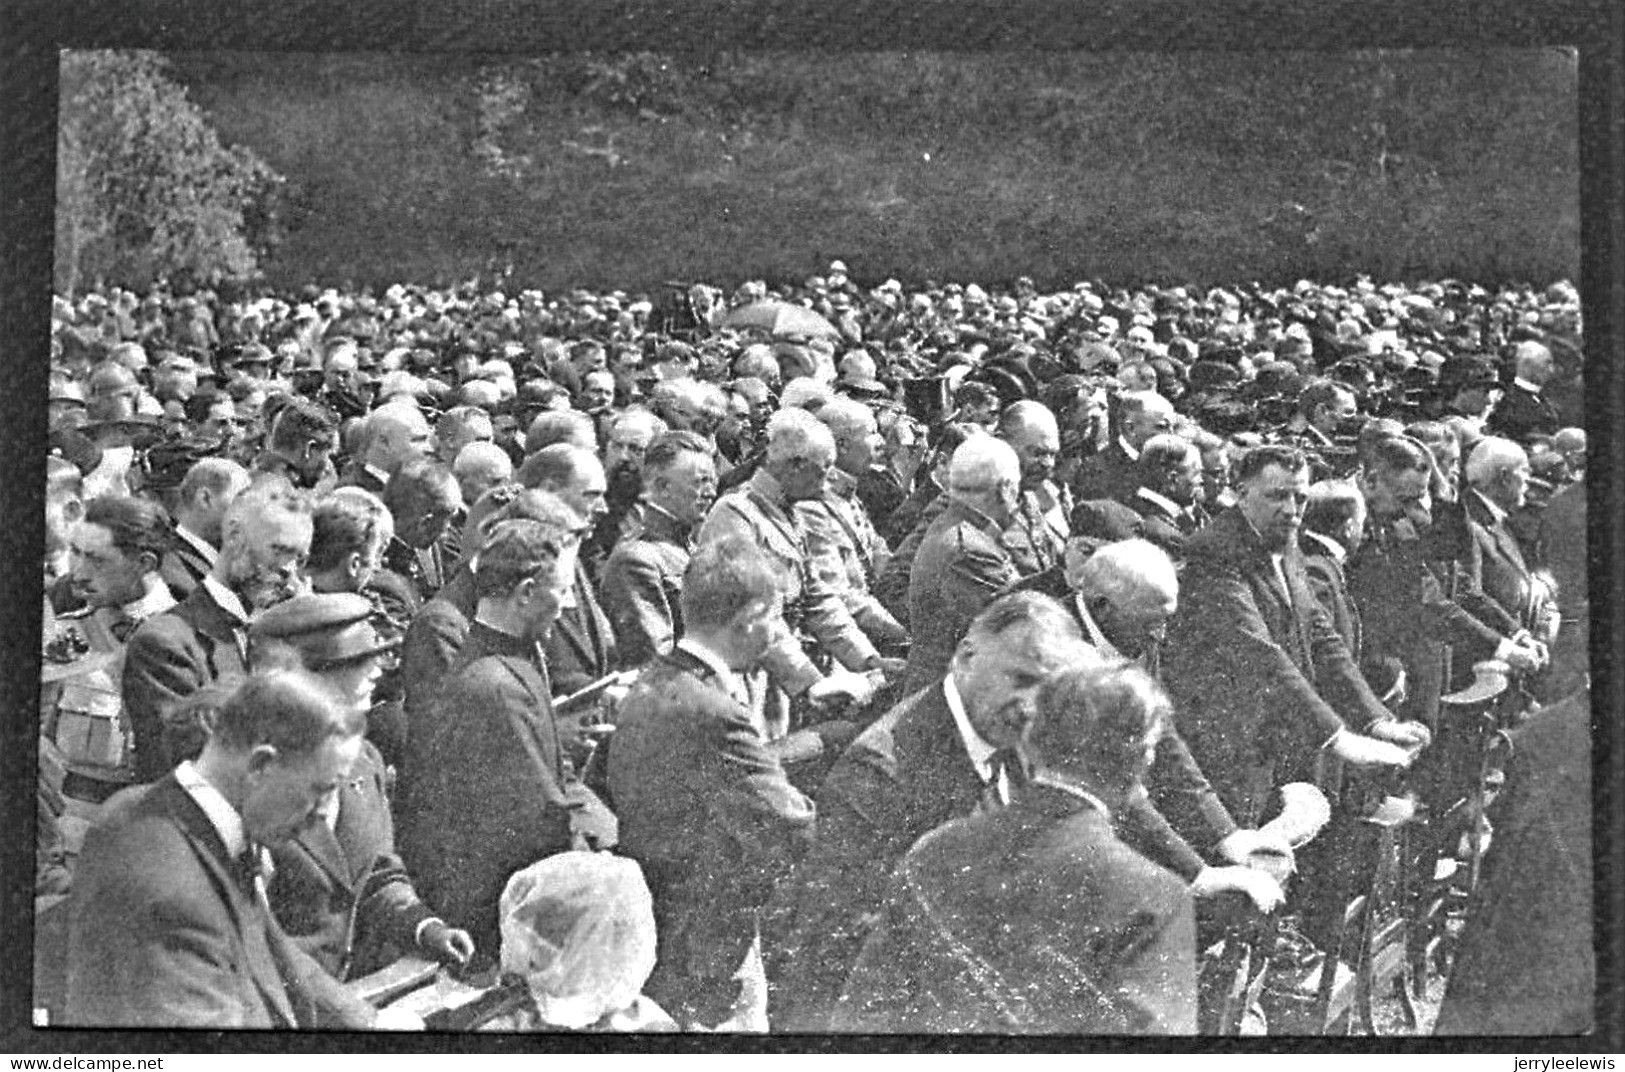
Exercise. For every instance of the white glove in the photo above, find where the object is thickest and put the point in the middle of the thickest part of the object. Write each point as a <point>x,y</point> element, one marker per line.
<point>1368,751</point>
<point>1261,889</point>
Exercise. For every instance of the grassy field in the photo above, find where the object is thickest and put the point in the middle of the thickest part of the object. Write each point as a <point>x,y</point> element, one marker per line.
<point>1197,167</point>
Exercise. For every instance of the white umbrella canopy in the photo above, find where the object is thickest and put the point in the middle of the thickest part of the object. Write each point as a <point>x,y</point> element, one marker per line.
<point>780,319</point>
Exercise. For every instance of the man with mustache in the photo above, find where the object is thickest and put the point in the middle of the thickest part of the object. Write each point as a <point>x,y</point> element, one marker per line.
<point>265,539</point>
<point>643,578</point>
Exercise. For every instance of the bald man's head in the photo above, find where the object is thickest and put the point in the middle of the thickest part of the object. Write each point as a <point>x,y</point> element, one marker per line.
<point>396,434</point>
<point>1032,432</point>
<point>479,467</point>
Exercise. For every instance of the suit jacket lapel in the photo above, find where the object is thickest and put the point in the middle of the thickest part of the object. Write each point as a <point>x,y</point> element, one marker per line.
<point>322,846</point>
<point>253,922</point>
<point>210,619</point>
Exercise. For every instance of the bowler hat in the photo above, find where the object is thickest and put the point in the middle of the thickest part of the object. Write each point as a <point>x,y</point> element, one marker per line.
<point>328,629</point>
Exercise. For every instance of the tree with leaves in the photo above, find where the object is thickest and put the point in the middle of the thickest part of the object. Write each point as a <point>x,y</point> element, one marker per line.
<point>144,187</point>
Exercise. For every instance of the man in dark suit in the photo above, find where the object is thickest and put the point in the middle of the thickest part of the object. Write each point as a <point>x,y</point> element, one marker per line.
<point>941,753</point>
<point>1035,918</point>
<point>1527,961</point>
<point>1411,619</point>
<point>705,807</point>
<point>1523,412</point>
<point>202,639</point>
<point>1333,522</point>
<point>1111,473</point>
<point>422,497</point>
<point>1260,679</point>
<point>1162,507</point>
<point>962,562</point>
<point>643,577</point>
<point>1122,596</point>
<point>393,435</point>
<point>489,789</point>
<point>339,889</point>
<point>205,492</point>
<point>429,651</point>
<point>581,648</point>
<point>170,921</point>
<point>1498,483</point>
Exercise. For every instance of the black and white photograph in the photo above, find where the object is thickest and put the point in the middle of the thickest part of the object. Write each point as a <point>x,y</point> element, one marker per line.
<point>821,545</point>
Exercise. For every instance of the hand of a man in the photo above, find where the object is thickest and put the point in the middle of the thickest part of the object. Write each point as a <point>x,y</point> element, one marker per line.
<point>1368,751</point>
<point>1405,734</point>
<point>1265,893</point>
<point>892,668</point>
<point>447,944</point>
<point>1242,846</point>
<point>395,1018</point>
<point>841,685</point>
<point>1523,657</point>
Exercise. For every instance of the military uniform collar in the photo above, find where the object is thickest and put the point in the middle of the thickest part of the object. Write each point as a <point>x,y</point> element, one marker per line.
<point>767,487</point>
<point>660,523</point>
<point>977,517</point>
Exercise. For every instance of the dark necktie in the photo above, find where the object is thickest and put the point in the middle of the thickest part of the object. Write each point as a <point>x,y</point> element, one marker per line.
<point>1009,766</point>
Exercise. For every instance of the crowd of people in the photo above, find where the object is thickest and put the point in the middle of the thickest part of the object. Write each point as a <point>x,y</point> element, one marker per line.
<point>938,654</point>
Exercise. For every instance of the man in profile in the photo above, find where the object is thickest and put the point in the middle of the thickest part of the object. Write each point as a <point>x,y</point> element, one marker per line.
<point>705,807</point>
<point>203,638</point>
<point>170,922</point>
<point>1034,918</point>
<point>942,753</point>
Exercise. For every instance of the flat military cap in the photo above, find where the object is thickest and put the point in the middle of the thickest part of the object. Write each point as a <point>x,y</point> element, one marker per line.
<point>328,629</point>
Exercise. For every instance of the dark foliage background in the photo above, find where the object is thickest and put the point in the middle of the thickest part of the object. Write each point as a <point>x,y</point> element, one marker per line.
<point>629,169</point>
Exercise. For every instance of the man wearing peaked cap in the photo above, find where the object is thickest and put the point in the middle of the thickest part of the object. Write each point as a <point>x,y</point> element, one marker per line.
<point>339,888</point>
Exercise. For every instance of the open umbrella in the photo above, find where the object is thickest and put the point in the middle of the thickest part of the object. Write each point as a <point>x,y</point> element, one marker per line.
<point>781,319</point>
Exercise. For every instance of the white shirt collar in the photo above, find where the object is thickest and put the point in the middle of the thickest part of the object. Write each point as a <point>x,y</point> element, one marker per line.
<point>1096,637</point>
<point>227,823</point>
<point>203,547</point>
<point>155,600</point>
<point>226,598</point>
<point>1532,388</point>
<point>1071,789</point>
<point>1173,508</point>
<point>1332,547</point>
<point>380,474</point>
<point>980,752</point>
<point>711,659</point>
<point>1133,454</point>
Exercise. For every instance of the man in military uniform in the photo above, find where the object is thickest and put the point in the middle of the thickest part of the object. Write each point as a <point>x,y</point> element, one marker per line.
<point>840,535</point>
<point>114,556</point>
<point>800,453</point>
<point>1038,532</point>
